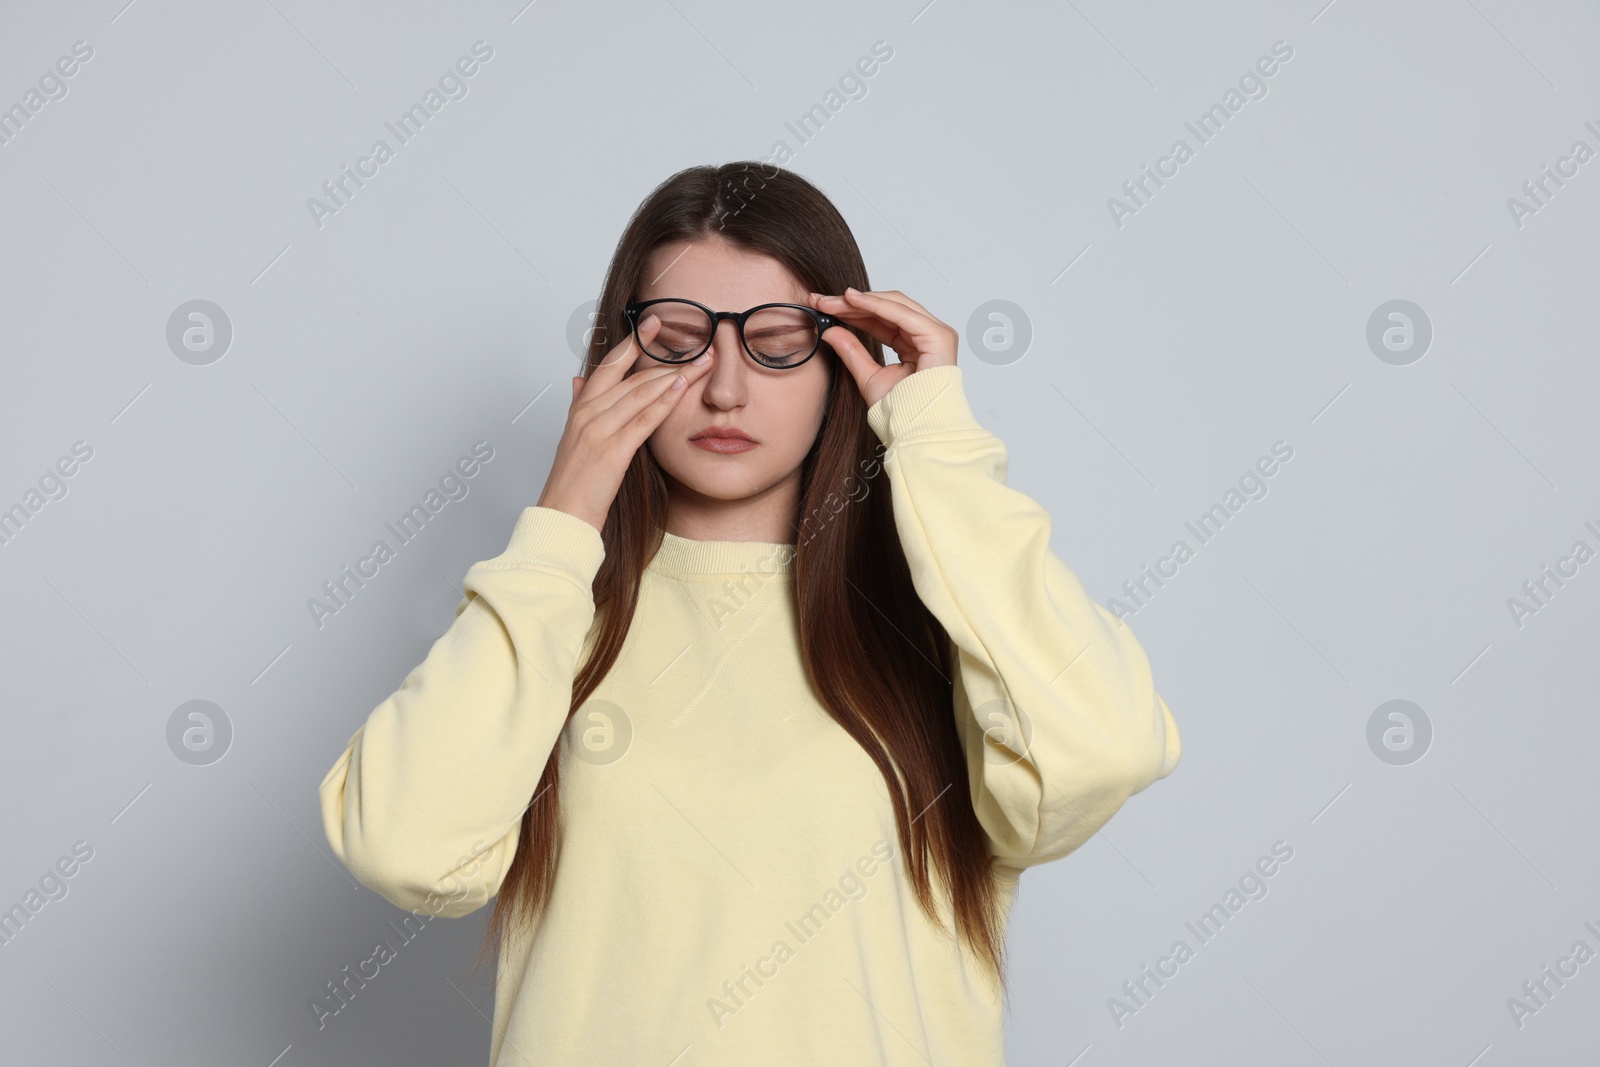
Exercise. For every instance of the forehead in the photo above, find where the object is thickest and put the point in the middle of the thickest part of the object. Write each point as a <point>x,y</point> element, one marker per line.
<point>719,275</point>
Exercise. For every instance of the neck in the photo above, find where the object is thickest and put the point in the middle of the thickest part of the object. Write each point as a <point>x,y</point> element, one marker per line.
<point>766,516</point>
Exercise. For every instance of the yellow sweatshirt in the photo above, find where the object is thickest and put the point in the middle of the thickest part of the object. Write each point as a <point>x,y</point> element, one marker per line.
<point>730,889</point>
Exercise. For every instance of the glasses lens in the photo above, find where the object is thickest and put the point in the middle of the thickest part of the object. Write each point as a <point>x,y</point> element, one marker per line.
<point>781,336</point>
<point>685,330</point>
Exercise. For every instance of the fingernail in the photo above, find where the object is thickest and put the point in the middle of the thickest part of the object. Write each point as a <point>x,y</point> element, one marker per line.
<point>704,357</point>
<point>852,289</point>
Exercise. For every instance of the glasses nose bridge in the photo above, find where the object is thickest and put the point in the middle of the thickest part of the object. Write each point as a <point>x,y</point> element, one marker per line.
<point>717,317</point>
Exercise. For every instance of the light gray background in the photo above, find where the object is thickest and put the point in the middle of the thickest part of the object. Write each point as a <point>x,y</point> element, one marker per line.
<point>1167,355</point>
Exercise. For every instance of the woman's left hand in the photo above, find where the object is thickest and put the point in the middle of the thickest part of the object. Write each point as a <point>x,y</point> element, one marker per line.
<point>895,320</point>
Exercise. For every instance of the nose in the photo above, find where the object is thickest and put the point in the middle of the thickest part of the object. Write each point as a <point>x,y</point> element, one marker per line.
<point>725,341</point>
<point>725,381</point>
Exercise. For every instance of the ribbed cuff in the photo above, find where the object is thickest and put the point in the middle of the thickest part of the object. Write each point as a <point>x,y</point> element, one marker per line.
<point>923,402</point>
<point>553,538</point>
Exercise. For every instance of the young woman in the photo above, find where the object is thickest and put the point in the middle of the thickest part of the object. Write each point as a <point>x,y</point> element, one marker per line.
<point>752,730</point>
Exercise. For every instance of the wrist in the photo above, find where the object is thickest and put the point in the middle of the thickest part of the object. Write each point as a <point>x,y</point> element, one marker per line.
<point>586,514</point>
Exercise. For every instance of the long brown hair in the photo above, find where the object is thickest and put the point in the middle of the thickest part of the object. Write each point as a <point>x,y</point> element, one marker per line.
<point>875,656</point>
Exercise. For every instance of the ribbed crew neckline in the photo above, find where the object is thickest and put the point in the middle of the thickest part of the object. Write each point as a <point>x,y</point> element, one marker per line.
<point>684,557</point>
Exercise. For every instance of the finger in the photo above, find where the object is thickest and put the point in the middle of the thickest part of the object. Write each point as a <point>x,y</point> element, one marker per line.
<point>616,366</point>
<point>912,322</point>
<point>855,357</point>
<point>650,389</point>
<point>643,381</point>
<point>652,407</point>
<point>614,363</point>
<point>921,338</point>
<point>861,315</point>
<point>880,331</point>
<point>840,299</point>
<point>897,295</point>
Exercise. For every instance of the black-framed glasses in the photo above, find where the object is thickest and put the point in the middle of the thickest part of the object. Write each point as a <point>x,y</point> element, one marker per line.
<point>780,336</point>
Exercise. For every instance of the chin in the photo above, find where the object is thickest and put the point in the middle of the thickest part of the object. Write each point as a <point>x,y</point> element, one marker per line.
<point>718,477</point>
<point>722,485</point>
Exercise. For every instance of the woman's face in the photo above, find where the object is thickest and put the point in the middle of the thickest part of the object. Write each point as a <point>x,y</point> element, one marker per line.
<point>781,410</point>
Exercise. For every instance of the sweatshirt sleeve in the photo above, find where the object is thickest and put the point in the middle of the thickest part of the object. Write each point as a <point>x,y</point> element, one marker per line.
<point>1057,709</point>
<point>425,804</point>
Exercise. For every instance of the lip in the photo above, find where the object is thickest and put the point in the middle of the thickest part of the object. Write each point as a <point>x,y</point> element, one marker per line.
<point>723,439</point>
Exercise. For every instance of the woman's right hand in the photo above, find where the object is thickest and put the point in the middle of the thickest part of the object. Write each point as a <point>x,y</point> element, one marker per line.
<point>612,414</point>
